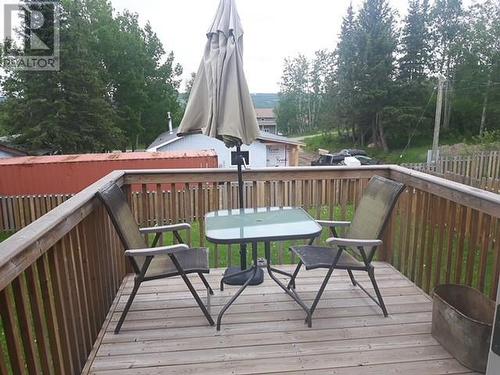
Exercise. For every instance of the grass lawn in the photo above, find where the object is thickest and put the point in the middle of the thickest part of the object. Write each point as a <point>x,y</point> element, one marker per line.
<point>415,153</point>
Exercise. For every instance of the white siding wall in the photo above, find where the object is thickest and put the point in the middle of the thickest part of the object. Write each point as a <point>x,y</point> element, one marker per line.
<point>5,155</point>
<point>198,142</point>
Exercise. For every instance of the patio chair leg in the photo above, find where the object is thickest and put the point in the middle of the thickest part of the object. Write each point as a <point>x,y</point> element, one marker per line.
<point>205,282</point>
<point>198,299</point>
<point>318,296</point>
<point>322,289</point>
<point>137,283</point>
<point>371,274</point>
<point>192,290</point>
<point>291,283</point>
<point>353,280</point>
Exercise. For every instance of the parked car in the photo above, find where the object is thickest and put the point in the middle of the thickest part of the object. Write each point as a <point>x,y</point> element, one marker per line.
<point>338,158</point>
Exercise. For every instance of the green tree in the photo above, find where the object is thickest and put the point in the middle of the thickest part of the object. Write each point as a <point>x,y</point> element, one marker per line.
<point>144,87</point>
<point>447,28</point>
<point>415,43</point>
<point>189,84</point>
<point>69,110</point>
<point>477,93</point>
<point>321,75</point>
<point>376,44</point>
<point>293,110</point>
<point>304,86</point>
<point>342,90</point>
<point>408,109</point>
<point>161,88</point>
<point>114,89</point>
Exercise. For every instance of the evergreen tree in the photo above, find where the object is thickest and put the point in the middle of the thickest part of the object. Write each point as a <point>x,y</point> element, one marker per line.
<point>342,89</point>
<point>114,89</point>
<point>376,44</point>
<point>69,110</point>
<point>379,102</point>
<point>415,43</point>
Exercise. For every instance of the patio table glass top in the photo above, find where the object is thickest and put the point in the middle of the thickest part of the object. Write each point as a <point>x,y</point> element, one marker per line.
<point>260,225</point>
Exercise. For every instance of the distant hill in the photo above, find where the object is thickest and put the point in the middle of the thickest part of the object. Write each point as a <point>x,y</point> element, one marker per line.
<point>261,100</point>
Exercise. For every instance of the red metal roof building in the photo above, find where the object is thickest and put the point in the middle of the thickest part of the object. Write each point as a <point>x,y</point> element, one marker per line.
<point>67,174</point>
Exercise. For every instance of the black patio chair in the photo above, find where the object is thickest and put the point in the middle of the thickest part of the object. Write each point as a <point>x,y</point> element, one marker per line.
<point>356,250</point>
<point>151,262</point>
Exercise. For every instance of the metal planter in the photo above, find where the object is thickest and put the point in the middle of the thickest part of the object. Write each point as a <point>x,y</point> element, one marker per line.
<point>462,320</point>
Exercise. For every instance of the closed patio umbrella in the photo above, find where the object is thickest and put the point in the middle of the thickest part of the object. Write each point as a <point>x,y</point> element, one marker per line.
<point>220,105</point>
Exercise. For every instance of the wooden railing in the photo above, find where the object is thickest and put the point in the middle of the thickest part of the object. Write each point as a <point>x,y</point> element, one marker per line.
<point>445,232</point>
<point>59,274</point>
<point>58,278</point>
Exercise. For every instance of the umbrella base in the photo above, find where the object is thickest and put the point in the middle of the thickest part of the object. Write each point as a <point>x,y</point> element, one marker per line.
<point>242,278</point>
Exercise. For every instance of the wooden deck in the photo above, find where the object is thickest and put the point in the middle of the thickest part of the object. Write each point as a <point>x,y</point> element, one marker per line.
<point>264,332</point>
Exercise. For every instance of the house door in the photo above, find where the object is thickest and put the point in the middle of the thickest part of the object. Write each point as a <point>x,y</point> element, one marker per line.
<point>494,357</point>
<point>276,156</point>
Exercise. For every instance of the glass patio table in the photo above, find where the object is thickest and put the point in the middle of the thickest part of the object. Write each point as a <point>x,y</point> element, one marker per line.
<point>254,225</point>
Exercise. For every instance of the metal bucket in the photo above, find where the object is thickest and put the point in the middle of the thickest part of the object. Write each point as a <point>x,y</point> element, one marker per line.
<point>462,320</point>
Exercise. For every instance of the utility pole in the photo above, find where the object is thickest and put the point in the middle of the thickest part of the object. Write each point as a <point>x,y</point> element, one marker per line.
<point>437,120</point>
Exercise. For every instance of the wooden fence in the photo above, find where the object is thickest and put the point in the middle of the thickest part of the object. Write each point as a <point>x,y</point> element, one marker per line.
<point>479,169</point>
<point>478,165</point>
<point>16,212</point>
<point>59,274</point>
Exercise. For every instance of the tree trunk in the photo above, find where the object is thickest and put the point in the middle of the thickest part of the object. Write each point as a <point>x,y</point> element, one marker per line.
<point>374,131</point>
<point>485,106</point>
<point>383,141</point>
<point>136,147</point>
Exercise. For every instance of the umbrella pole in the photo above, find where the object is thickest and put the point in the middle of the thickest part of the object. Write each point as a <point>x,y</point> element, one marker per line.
<point>240,278</point>
<point>243,247</point>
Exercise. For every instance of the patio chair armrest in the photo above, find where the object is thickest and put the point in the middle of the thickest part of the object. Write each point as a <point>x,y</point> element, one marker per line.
<point>161,250</point>
<point>353,242</point>
<point>165,228</point>
<point>333,224</point>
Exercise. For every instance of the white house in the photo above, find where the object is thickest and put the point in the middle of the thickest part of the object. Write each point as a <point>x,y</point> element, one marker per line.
<point>7,151</point>
<point>270,150</point>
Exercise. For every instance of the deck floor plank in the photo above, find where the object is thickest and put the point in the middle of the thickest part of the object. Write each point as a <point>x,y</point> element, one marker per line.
<point>264,332</point>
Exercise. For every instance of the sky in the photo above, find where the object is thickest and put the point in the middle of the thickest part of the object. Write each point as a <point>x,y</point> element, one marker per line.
<point>274,30</point>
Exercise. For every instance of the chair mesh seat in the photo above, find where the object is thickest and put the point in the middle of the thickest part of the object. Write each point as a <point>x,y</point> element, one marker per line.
<point>323,257</point>
<point>191,260</point>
